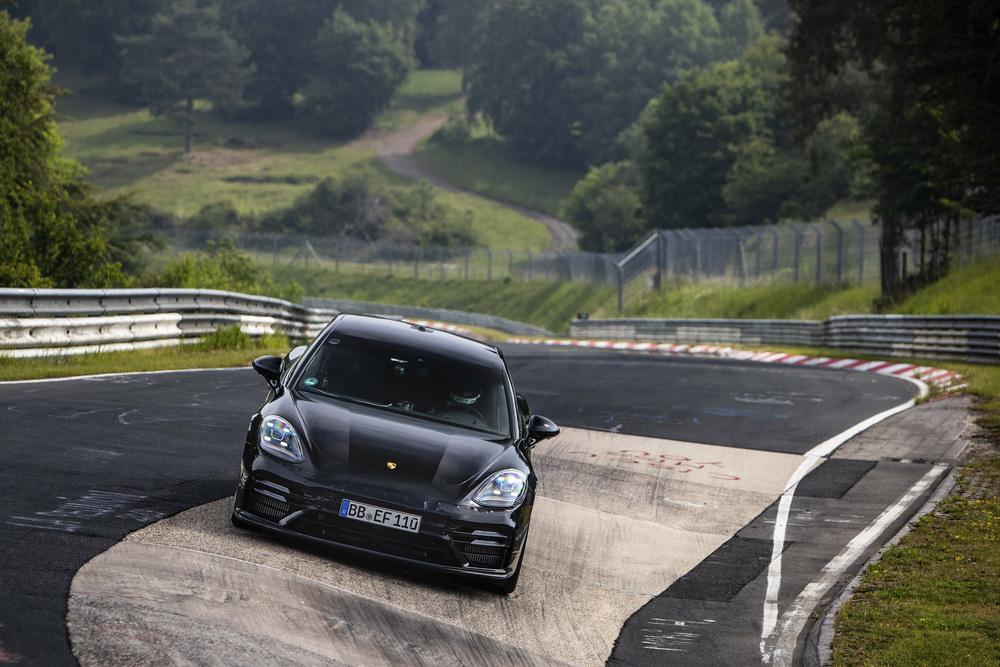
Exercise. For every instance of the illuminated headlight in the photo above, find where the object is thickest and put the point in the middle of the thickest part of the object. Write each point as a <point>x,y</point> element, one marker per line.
<point>504,489</point>
<point>276,436</point>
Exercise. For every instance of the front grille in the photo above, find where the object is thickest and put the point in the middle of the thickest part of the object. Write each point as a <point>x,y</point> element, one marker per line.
<point>268,507</point>
<point>482,548</point>
<point>419,546</point>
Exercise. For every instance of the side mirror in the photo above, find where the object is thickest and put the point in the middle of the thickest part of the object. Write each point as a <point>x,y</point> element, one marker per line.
<point>540,428</point>
<point>270,368</point>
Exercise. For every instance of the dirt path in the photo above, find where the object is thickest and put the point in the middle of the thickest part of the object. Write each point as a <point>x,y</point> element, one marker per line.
<point>396,151</point>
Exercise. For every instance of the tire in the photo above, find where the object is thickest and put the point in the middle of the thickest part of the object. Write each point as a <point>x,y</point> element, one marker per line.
<point>238,522</point>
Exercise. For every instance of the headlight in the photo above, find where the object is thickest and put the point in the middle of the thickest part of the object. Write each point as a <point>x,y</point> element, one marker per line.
<point>277,437</point>
<point>504,489</point>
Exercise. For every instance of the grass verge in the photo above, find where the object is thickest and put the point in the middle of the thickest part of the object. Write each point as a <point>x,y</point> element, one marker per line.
<point>168,358</point>
<point>967,289</point>
<point>550,305</point>
<point>934,599</point>
<point>483,164</point>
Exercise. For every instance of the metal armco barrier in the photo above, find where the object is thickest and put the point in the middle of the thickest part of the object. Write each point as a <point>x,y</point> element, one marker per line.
<point>974,338</point>
<point>43,322</point>
<point>456,316</point>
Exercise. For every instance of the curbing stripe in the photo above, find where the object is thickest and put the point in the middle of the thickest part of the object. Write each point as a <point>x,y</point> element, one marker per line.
<point>941,378</point>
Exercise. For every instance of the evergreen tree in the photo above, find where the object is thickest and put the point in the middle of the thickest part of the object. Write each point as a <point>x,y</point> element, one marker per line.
<point>186,56</point>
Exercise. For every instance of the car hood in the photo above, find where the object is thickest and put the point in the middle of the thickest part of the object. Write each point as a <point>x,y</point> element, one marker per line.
<point>357,443</point>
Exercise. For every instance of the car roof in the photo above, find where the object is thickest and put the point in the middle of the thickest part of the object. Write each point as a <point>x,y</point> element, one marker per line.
<point>416,337</point>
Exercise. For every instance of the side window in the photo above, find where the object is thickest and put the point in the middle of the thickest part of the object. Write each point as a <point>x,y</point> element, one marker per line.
<point>522,408</point>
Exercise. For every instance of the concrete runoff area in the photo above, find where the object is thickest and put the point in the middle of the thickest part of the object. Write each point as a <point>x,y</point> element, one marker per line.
<point>89,461</point>
<point>587,569</point>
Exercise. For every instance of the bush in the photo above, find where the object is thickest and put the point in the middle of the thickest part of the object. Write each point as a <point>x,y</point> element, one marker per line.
<point>223,267</point>
<point>233,338</point>
<point>604,206</point>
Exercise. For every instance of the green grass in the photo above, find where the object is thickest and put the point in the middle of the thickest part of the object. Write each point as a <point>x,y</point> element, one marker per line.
<point>546,304</point>
<point>781,300</point>
<point>127,150</point>
<point>485,165</point>
<point>969,289</point>
<point>186,356</point>
<point>934,599</point>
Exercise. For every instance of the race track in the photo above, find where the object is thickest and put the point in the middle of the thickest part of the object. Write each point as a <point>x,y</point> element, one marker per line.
<point>653,537</point>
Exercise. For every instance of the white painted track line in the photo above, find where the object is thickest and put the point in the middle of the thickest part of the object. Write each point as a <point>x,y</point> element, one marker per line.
<point>781,643</point>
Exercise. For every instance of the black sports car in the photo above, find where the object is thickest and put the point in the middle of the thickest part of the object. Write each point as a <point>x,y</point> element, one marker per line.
<point>396,439</point>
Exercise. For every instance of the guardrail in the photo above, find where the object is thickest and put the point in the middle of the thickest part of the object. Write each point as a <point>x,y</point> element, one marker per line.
<point>444,314</point>
<point>42,322</point>
<point>974,338</point>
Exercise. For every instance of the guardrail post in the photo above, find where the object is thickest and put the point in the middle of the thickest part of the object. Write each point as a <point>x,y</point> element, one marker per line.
<point>840,251</point>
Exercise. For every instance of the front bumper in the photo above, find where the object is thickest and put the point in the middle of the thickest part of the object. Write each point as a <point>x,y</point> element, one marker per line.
<point>452,539</point>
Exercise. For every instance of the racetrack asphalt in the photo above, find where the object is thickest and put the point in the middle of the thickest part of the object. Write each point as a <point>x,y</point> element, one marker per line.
<point>86,462</point>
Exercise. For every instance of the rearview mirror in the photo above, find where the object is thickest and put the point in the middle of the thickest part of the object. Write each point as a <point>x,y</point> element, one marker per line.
<point>270,368</point>
<point>540,428</point>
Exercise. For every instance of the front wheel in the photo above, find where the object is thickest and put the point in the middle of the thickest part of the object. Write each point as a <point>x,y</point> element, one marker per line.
<point>238,522</point>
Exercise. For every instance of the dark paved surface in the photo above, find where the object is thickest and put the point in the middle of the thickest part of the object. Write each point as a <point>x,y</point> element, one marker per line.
<point>85,462</point>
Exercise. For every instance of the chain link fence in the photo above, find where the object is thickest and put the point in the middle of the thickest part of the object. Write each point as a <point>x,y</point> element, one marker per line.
<point>420,262</point>
<point>827,252</point>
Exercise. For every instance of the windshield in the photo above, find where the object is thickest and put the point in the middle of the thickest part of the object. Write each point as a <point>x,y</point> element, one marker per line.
<point>412,383</point>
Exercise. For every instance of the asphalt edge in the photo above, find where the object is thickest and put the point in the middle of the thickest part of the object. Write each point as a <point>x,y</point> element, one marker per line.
<point>818,649</point>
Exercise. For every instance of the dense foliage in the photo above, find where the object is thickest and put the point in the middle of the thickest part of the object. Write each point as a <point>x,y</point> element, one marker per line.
<point>604,206</point>
<point>354,70</point>
<point>719,149</point>
<point>53,232</point>
<point>922,77</point>
<point>560,79</point>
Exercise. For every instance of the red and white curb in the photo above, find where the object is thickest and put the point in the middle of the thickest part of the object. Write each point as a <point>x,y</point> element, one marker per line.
<point>942,378</point>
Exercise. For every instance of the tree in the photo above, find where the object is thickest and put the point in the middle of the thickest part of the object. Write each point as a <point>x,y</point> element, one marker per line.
<point>53,233</point>
<point>561,79</point>
<point>604,206</point>
<point>186,56</point>
<point>930,122</point>
<point>448,31</point>
<point>355,70</point>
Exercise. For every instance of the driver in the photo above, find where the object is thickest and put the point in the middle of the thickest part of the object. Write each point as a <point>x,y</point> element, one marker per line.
<point>462,399</point>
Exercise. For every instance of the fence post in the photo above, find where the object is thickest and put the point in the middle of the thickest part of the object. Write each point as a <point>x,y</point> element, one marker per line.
<point>798,252</point>
<point>819,253</point>
<point>840,251</point>
<point>759,238</point>
<point>621,287</point>
<point>489,264</point>
<point>741,260</point>
<point>861,249</point>
<point>774,249</point>
<point>467,251</point>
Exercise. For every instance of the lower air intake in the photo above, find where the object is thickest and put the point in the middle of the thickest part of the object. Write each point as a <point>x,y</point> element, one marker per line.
<point>267,507</point>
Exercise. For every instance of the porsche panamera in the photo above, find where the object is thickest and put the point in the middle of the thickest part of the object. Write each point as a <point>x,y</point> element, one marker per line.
<point>398,440</point>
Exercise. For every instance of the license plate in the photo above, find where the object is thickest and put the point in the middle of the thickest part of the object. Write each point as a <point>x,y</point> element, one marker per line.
<point>380,516</point>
